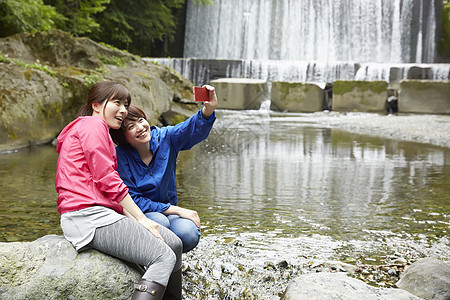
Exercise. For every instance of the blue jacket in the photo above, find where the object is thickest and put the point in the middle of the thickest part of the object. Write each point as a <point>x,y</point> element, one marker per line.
<point>153,187</point>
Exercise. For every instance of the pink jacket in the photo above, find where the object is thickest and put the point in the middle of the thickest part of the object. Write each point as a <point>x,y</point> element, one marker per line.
<point>86,170</point>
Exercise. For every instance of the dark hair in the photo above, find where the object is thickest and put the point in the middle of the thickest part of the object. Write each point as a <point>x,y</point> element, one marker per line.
<point>104,91</point>
<point>134,114</point>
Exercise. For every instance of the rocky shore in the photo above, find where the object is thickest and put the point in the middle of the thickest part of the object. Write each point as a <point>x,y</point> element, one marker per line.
<point>50,268</point>
<point>428,129</point>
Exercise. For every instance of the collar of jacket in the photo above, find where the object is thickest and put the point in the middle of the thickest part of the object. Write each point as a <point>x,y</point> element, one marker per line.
<point>155,139</point>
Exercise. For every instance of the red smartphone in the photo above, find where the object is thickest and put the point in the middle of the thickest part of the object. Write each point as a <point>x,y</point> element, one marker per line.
<point>201,94</point>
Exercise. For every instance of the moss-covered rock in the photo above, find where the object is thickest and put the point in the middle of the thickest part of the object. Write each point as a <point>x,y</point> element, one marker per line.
<point>364,96</point>
<point>424,96</point>
<point>341,87</point>
<point>296,96</point>
<point>444,41</point>
<point>57,48</point>
<point>30,106</point>
<point>45,78</point>
<point>240,93</point>
<point>51,268</point>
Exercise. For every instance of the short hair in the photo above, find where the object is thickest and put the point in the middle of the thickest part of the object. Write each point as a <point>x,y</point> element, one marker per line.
<point>118,136</point>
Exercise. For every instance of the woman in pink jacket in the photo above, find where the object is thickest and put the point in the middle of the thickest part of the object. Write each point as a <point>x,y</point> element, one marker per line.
<point>96,209</point>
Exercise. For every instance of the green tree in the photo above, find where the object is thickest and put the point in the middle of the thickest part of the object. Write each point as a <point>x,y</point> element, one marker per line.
<point>135,25</point>
<point>80,14</point>
<point>138,25</point>
<point>26,16</point>
<point>444,42</point>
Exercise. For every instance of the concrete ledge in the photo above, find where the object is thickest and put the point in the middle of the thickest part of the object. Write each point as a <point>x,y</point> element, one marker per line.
<point>240,93</point>
<point>424,96</point>
<point>362,96</point>
<point>296,97</point>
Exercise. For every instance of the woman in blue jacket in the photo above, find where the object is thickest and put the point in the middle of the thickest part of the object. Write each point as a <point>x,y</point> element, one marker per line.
<point>147,161</point>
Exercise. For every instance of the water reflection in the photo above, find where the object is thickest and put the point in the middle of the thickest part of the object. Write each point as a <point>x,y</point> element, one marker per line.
<point>282,172</point>
<point>27,194</point>
<point>271,188</point>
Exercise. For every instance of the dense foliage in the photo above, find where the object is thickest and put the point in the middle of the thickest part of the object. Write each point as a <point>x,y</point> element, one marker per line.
<point>27,16</point>
<point>81,15</point>
<point>134,25</point>
<point>444,43</point>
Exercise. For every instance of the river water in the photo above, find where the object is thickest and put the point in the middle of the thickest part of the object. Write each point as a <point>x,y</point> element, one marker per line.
<point>277,195</point>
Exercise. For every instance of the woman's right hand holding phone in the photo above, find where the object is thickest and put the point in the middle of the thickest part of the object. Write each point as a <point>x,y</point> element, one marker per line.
<point>211,105</point>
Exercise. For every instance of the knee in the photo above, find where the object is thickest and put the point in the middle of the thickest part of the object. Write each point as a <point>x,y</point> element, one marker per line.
<point>190,242</point>
<point>177,245</point>
<point>177,249</point>
<point>168,258</point>
<point>188,232</point>
<point>158,218</point>
<point>160,257</point>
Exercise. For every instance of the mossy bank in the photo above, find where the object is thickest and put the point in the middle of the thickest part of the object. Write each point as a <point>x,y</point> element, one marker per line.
<point>45,78</point>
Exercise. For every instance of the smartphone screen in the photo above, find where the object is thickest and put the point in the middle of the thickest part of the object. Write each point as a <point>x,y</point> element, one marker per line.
<point>201,94</point>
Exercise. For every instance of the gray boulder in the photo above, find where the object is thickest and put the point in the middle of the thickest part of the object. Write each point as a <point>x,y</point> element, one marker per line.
<point>428,278</point>
<point>323,286</point>
<point>45,78</point>
<point>51,268</point>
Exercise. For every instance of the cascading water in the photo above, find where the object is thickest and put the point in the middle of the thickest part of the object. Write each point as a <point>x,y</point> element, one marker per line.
<point>311,40</point>
<point>312,30</point>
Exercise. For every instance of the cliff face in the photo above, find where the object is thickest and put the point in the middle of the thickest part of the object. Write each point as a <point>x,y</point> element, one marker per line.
<point>45,77</point>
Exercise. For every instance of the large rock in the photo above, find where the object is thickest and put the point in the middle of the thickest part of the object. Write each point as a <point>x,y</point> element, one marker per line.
<point>51,268</point>
<point>323,286</point>
<point>45,77</point>
<point>296,97</point>
<point>240,93</point>
<point>428,278</point>
<point>31,107</point>
<point>424,96</point>
<point>363,96</point>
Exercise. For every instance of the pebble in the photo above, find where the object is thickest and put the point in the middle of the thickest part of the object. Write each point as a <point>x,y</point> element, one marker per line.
<point>400,261</point>
<point>392,272</point>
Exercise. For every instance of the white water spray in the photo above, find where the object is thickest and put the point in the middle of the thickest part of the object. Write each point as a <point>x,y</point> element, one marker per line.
<point>307,30</point>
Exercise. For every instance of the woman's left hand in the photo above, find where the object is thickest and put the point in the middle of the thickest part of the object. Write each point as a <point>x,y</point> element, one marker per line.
<point>191,215</point>
<point>184,213</point>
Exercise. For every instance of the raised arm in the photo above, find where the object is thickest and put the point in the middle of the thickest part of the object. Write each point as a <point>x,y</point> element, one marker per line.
<point>210,106</point>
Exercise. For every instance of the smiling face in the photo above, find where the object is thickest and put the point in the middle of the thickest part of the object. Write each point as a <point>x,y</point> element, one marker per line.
<point>137,132</point>
<point>112,111</point>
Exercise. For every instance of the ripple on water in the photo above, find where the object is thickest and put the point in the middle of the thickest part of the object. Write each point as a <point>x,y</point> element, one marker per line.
<point>278,195</point>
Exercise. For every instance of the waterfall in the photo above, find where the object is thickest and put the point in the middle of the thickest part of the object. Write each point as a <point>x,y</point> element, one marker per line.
<point>419,36</point>
<point>431,29</point>
<point>396,50</point>
<point>311,41</point>
<point>312,30</point>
